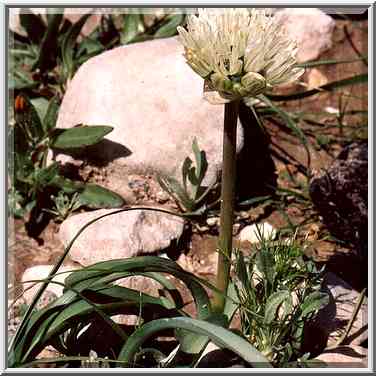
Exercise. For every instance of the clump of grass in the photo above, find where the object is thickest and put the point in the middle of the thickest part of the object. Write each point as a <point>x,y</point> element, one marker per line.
<point>279,291</point>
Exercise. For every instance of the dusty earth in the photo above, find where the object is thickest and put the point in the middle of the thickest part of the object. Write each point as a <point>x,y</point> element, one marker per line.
<point>198,251</point>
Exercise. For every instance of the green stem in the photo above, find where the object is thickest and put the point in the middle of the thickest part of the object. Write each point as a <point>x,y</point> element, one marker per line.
<point>227,203</point>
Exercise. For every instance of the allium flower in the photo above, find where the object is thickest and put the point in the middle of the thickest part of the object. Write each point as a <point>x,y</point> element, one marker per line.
<point>239,53</point>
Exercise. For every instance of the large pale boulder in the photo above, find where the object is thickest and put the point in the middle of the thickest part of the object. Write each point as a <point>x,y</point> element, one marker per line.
<point>310,27</point>
<point>121,235</point>
<point>154,101</point>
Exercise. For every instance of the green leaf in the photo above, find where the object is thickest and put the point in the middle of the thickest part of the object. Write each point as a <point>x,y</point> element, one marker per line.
<point>191,343</point>
<point>111,299</point>
<point>17,142</point>
<point>197,174</point>
<point>287,118</point>
<point>266,265</point>
<point>311,64</point>
<point>88,48</point>
<point>313,303</point>
<point>169,28</point>
<point>220,336</point>
<point>40,104</point>
<point>50,118</point>
<point>33,24</point>
<point>354,80</point>
<point>130,27</point>
<point>168,286</point>
<point>68,44</point>
<point>185,170</point>
<point>198,160</point>
<point>254,200</point>
<point>173,187</point>
<point>49,45</point>
<point>241,269</point>
<point>95,196</point>
<point>273,303</point>
<point>19,80</point>
<point>91,274</point>
<point>44,176</point>
<point>79,136</point>
<point>38,336</point>
<point>67,185</point>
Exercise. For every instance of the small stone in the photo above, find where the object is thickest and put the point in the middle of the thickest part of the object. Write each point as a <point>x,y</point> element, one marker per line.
<point>243,215</point>
<point>123,235</point>
<point>162,197</point>
<point>316,79</point>
<point>250,233</point>
<point>212,221</point>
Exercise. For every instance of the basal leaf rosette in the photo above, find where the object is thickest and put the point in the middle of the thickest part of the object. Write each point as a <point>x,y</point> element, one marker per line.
<point>239,53</point>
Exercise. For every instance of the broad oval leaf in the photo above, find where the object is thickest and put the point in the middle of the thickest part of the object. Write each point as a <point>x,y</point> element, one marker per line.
<point>69,41</point>
<point>169,28</point>
<point>79,136</point>
<point>130,28</point>
<point>313,302</point>
<point>40,104</point>
<point>273,303</point>
<point>95,196</point>
<point>50,118</point>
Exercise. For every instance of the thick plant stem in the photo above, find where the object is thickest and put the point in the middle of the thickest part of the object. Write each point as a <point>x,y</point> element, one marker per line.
<point>227,204</point>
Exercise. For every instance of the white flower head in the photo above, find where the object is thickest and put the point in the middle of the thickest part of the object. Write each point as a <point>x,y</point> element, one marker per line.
<point>239,53</point>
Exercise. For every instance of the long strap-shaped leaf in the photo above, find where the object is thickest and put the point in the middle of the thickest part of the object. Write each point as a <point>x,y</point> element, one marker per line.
<point>88,276</point>
<point>55,319</point>
<point>359,79</point>
<point>220,336</point>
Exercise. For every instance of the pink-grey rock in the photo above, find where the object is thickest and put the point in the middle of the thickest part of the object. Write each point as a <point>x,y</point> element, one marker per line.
<point>345,357</point>
<point>154,101</point>
<point>311,28</point>
<point>250,234</point>
<point>40,272</point>
<point>332,319</point>
<point>121,235</point>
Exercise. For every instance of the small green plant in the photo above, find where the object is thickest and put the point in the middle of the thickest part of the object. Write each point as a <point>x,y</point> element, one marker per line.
<point>279,292</point>
<point>32,181</point>
<point>191,196</point>
<point>135,28</point>
<point>64,205</point>
<point>50,43</point>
